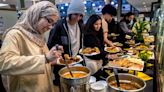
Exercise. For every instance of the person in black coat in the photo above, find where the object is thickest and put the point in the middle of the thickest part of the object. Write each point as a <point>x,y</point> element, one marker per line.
<point>93,37</point>
<point>68,32</point>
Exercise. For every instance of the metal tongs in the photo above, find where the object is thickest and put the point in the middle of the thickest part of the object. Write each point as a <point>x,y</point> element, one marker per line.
<point>57,47</point>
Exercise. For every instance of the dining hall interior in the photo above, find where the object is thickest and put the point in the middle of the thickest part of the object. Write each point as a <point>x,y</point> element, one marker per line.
<point>107,45</point>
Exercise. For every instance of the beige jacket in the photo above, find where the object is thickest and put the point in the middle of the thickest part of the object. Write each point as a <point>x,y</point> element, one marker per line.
<point>23,66</point>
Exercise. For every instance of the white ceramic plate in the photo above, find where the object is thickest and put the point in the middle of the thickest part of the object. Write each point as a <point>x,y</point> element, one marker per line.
<point>81,59</point>
<point>92,54</point>
<point>117,50</point>
<point>109,65</point>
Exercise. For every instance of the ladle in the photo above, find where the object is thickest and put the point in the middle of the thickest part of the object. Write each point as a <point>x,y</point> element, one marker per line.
<point>57,47</point>
<point>68,68</point>
<point>116,77</point>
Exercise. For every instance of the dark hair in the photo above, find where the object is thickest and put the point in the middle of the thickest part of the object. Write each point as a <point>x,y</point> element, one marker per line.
<point>109,9</point>
<point>89,28</point>
<point>69,16</point>
<point>129,14</point>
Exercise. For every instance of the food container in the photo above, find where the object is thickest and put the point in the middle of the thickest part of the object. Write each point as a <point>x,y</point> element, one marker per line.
<point>75,84</point>
<point>98,87</point>
<point>132,81</point>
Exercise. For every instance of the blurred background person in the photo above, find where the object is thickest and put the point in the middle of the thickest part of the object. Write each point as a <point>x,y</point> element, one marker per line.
<point>124,23</point>
<point>113,26</point>
<point>106,17</point>
<point>25,59</point>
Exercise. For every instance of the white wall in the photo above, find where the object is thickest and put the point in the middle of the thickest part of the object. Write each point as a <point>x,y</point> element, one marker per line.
<point>7,19</point>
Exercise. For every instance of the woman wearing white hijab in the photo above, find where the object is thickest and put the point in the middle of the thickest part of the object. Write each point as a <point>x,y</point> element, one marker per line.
<point>25,60</point>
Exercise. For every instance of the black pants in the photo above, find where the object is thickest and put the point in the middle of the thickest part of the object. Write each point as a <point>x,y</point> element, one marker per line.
<point>101,75</point>
<point>2,89</point>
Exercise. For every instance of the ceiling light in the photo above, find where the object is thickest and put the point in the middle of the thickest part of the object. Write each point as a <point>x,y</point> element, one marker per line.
<point>66,4</point>
<point>93,5</point>
<point>143,3</point>
<point>85,2</point>
<point>62,7</point>
<point>100,6</point>
<point>1,4</point>
<point>112,3</point>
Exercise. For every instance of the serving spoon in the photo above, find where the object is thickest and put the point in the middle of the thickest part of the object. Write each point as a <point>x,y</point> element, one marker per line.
<point>66,63</point>
<point>116,77</point>
<point>68,68</point>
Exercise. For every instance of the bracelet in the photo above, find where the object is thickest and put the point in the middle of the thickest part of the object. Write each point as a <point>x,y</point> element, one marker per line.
<point>47,61</point>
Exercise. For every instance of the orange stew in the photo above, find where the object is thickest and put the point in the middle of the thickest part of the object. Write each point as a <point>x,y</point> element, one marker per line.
<point>126,86</point>
<point>76,74</point>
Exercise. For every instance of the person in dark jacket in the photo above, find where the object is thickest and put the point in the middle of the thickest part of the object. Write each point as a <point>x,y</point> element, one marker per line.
<point>93,37</point>
<point>125,28</point>
<point>68,33</point>
<point>124,23</point>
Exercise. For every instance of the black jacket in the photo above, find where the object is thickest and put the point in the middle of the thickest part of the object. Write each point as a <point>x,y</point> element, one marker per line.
<point>95,39</point>
<point>114,27</point>
<point>60,35</point>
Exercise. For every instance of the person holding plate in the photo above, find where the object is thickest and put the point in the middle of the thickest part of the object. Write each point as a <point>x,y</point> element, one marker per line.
<point>93,37</point>
<point>68,33</point>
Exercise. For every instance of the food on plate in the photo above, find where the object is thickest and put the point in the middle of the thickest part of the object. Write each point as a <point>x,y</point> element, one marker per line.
<point>90,50</point>
<point>130,42</point>
<point>128,37</point>
<point>142,47</point>
<point>69,59</point>
<point>112,49</point>
<point>118,44</point>
<point>149,39</point>
<point>76,74</point>
<point>131,63</point>
<point>133,51</point>
<point>113,34</point>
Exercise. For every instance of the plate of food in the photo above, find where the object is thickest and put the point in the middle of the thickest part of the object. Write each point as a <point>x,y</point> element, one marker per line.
<point>118,44</point>
<point>112,49</point>
<point>149,39</point>
<point>88,51</point>
<point>130,42</point>
<point>128,63</point>
<point>142,47</point>
<point>128,37</point>
<point>113,35</point>
<point>70,60</point>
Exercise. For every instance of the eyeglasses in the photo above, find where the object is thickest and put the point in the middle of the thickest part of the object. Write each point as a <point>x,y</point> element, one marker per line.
<point>49,20</point>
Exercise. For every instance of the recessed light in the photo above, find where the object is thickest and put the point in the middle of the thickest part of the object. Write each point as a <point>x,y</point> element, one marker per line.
<point>1,4</point>
<point>143,3</point>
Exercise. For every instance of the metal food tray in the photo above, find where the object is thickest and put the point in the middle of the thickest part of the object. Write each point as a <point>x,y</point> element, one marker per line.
<point>124,68</point>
